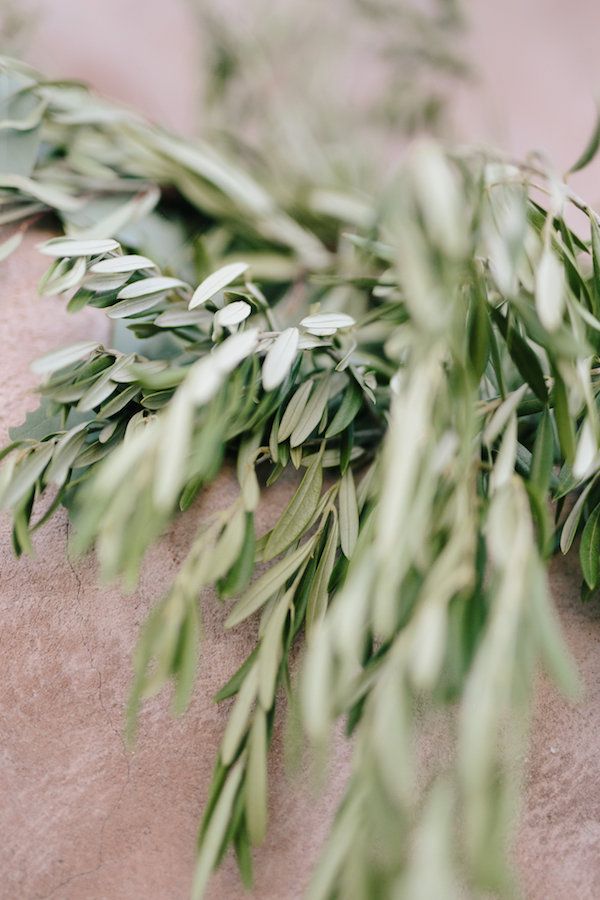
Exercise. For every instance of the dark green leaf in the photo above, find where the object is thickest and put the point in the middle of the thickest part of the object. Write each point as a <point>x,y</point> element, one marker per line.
<point>591,148</point>
<point>589,550</point>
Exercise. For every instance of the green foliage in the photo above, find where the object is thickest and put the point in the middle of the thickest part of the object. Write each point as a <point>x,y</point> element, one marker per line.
<point>314,115</point>
<point>434,372</point>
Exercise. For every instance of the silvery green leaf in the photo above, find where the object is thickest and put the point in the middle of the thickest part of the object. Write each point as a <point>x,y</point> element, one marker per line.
<point>204,161</point>
<point>504,464</point>
<point>348,514</point>
<point>239,716</point>
<point>503,414</point>
<point>107,432</point>
<point>297,514</point>
<point>323,324</point>
<point>330,459</point>
<point>67,449</point>
<point>232,314</point>
<point>439,197</point>
<point>550,290</point>
<point>69,247</point>
<point>214,834</point>
<point>569,529</point>
<point>591,148</point>
<point>256,780</point>
<point>46,193</point>
<point>119,217</point>
<point>271,650</point>
<point>311,414</point>
<point>172,451</point>
<point>125,308</point>
<point>315,686</point>
<point>105,385</point>
<point>294,409</point>
<point>141,371</point>
<point>182,318</point>
<point>18,211</point>
<point>318,595</point>
<point>235,349</point>
<point>280,358</point>
<point>10,244</point>
<point>118,402</point>
<point>557,659</point>
<point>63,275</point>
<point>296,456</point>
<point>246,471</point>
<point>269,583</point>
<point>216,282</point>
<point>203,381</point>
<point>97,394</point>
<point>228,546</point>
<point>26,474</point>
<point>122,265</point>
<point>103,283</point>
<point>310,343</point>
<point>585,314</point>
<point>158,284</point>
<point>587,448</point>
<point>66,356</point>
<point>430,626</point>
<point>589,549</point>
<point>19,146</point>
<point>347,410</point>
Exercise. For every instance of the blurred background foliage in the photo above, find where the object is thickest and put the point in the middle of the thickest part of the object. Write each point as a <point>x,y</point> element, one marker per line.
<point>327,92</point>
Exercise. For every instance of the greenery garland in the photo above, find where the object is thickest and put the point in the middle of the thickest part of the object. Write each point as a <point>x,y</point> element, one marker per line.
<point>427,362</point>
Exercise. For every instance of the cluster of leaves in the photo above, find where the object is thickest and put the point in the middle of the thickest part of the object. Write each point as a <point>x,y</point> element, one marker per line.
<point>440,419</point>
<point>308,113</point>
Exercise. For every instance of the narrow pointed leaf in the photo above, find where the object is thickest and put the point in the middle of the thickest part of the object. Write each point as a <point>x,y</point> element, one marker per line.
<point>268,584</point>
<point>216,282</point>
<point>280,358</point>
<point>589,551</point>
<point>297,513</point>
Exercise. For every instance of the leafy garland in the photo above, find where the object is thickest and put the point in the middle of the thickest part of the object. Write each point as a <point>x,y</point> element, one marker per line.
<point>428,362</point>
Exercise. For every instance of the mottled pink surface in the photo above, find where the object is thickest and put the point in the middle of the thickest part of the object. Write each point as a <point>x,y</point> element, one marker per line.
<point>83,819</point>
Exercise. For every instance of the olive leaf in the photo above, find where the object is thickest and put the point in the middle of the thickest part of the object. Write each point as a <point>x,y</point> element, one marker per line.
<point>311,415</point>
<point>470,377</point>
<point>590,150</point>
<point>348,514</point>
<point>268,584</point>
<point>589,550</point>
<point>298,513</point>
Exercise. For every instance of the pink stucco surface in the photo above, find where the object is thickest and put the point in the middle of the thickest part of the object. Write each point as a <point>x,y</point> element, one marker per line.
<point>81,817</point>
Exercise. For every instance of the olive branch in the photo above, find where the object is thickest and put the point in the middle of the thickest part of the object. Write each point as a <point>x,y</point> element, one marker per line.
<point>431,376</point>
